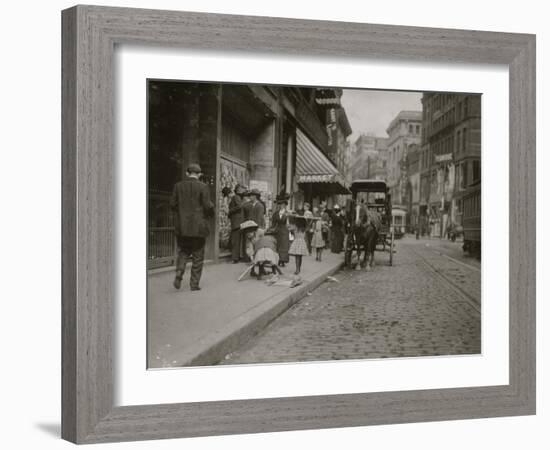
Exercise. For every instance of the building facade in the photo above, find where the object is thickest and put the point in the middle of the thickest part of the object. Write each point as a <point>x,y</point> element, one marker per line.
<point>338,129</point>
<point>412,193</point>
<point>378,165</point>
<point>451,147</point>
<point>270,138</point>
<point>369,159</point>
<point>404,133</point>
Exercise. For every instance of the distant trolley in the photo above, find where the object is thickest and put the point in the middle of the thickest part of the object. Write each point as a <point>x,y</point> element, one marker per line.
<point>399,217</point>
<point>471,220</point>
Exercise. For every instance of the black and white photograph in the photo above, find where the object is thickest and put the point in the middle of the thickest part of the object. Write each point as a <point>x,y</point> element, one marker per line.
<point>262,225</point>
<point>299,223</point>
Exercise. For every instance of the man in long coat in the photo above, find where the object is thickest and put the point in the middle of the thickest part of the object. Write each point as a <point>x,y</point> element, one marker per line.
<point>236,215</point>
<point>192,207</point>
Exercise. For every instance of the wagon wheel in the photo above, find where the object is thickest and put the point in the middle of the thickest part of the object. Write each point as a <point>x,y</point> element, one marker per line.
<point>391,245</point>
<point>347,258</point>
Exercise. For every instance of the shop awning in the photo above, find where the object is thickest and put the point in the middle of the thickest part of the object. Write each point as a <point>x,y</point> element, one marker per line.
<point>313,167</point>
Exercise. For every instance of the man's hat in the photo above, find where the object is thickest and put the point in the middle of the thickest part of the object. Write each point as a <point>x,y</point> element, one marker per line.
<point>255,192</point>
<point>239,187</point>
<point>194,168</point>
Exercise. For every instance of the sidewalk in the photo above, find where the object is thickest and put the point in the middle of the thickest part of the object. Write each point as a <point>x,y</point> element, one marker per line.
<point>199,328</point>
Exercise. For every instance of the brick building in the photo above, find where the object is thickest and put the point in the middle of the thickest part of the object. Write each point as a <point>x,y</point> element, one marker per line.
<point>450,155</point>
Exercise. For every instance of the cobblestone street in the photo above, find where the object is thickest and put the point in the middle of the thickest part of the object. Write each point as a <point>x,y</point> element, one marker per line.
<point>428,303</point>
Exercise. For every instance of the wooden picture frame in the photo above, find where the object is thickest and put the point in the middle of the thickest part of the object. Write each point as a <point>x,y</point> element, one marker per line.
<point>89,37</point>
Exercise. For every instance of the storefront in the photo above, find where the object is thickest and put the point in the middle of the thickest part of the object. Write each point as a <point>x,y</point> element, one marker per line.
<point>316,176</point>
<point>230,130</point>
<point>264,137</point>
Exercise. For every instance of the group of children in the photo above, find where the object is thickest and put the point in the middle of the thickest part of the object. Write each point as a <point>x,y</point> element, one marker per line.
<point>265,244</point>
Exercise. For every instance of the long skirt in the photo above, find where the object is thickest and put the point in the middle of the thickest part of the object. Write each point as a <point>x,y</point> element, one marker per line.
<point>283,243</point>
<point>337,240</point>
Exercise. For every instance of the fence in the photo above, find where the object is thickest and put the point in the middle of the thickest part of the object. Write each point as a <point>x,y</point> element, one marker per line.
<point>161,241</point>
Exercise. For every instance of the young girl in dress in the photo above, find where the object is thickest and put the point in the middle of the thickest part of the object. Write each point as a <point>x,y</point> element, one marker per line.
<point>317,241</point>
<point>299,246</point>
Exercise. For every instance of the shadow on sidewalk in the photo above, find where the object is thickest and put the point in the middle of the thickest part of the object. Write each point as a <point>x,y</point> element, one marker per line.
<point>199,327</point>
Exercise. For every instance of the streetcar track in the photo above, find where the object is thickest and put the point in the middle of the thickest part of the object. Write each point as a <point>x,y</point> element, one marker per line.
<point>470,299</point>
<point>439,252</point>
<point>469,266</point>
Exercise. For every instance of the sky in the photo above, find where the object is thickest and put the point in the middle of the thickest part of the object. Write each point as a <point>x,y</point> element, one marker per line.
<point>372,111</point>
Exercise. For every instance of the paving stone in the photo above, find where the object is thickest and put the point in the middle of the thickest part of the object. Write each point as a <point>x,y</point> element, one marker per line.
<point>412,308</point>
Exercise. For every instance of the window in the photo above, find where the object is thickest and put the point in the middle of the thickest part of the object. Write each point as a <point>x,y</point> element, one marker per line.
<point>476,170</point>
<point>465,175</point>
<point>464,139</point>
<point>410,129</point>
<point>418,129</point>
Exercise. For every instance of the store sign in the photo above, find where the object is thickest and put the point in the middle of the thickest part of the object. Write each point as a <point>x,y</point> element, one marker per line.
<point>260,185</point>
<point>443,158</point>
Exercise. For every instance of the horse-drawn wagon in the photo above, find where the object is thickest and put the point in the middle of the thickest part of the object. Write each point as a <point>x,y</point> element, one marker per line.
<point>369,222</point>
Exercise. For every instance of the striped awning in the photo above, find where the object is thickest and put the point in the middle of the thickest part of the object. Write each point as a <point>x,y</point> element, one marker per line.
<point>312,166</point>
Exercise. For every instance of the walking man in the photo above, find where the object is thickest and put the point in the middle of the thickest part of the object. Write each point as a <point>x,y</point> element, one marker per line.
<point>192,207</point>
<point>236,215</point>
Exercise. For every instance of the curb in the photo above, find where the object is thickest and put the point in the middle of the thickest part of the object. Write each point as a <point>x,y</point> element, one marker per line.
<point>212,349</point>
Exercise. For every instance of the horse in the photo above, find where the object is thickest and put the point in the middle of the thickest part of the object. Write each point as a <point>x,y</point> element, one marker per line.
<point>362,236</point>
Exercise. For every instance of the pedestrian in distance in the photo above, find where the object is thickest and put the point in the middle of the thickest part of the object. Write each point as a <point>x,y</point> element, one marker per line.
<point>317,241</point>
<point>279,221</point>
<point>192,207</point>
<point>236,216</point>
<point>299,247</point>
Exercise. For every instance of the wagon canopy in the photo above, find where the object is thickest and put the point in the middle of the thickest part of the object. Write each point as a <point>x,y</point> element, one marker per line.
<point>369,186</point>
